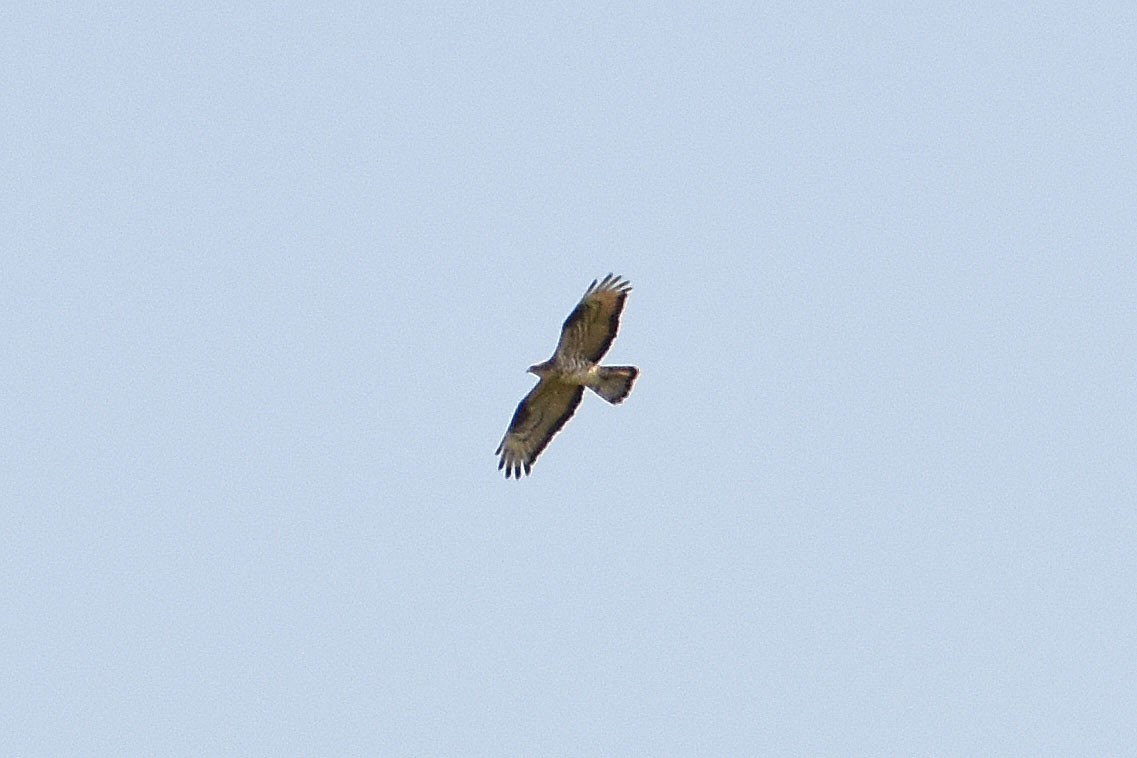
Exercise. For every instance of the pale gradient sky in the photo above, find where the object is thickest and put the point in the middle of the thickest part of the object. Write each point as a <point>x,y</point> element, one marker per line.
<point>273,276</point>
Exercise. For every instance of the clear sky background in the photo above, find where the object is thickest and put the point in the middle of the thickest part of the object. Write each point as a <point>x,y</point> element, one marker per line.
<point>272,275</point>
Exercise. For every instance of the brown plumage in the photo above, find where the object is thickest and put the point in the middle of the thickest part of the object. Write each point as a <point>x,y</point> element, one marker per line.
<point>585,337</point>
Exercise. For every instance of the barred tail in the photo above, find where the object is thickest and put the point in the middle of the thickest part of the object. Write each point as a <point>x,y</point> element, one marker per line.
<point>615,382</point>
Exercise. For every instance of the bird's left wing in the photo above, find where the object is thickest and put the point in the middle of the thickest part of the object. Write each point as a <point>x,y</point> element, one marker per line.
<point>590,328</point>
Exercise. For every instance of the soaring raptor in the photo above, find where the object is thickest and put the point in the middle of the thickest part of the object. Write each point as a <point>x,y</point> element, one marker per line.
<point>585,337</point>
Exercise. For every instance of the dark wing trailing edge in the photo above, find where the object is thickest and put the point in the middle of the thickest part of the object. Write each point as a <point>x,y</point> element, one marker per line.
<point>539,416</point>
<point>590,328</point>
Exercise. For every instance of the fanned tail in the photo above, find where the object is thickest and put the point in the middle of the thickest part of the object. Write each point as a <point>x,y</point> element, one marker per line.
<point>615,382</point>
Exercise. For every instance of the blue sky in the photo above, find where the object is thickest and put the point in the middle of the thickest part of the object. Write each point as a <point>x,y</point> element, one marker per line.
<point>274,273</point>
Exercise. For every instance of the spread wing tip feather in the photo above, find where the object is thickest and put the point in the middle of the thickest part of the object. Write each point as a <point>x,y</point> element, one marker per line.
<point>514,469</point>
<point>611,282</point>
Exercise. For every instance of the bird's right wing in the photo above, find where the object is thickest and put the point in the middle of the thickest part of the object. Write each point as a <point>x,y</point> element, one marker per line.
<point>539,416</point>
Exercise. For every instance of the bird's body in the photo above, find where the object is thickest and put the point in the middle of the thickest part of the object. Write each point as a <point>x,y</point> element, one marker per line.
<point>586,335</point>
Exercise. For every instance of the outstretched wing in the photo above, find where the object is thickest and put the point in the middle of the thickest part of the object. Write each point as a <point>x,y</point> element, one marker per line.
<point>538,417</point>
<point>590,328</point>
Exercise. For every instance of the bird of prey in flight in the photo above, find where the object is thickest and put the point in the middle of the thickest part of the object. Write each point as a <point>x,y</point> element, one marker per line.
<point>585,338</point>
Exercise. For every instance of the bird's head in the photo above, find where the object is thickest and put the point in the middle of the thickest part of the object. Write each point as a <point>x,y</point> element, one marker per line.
<point>540,369</point>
